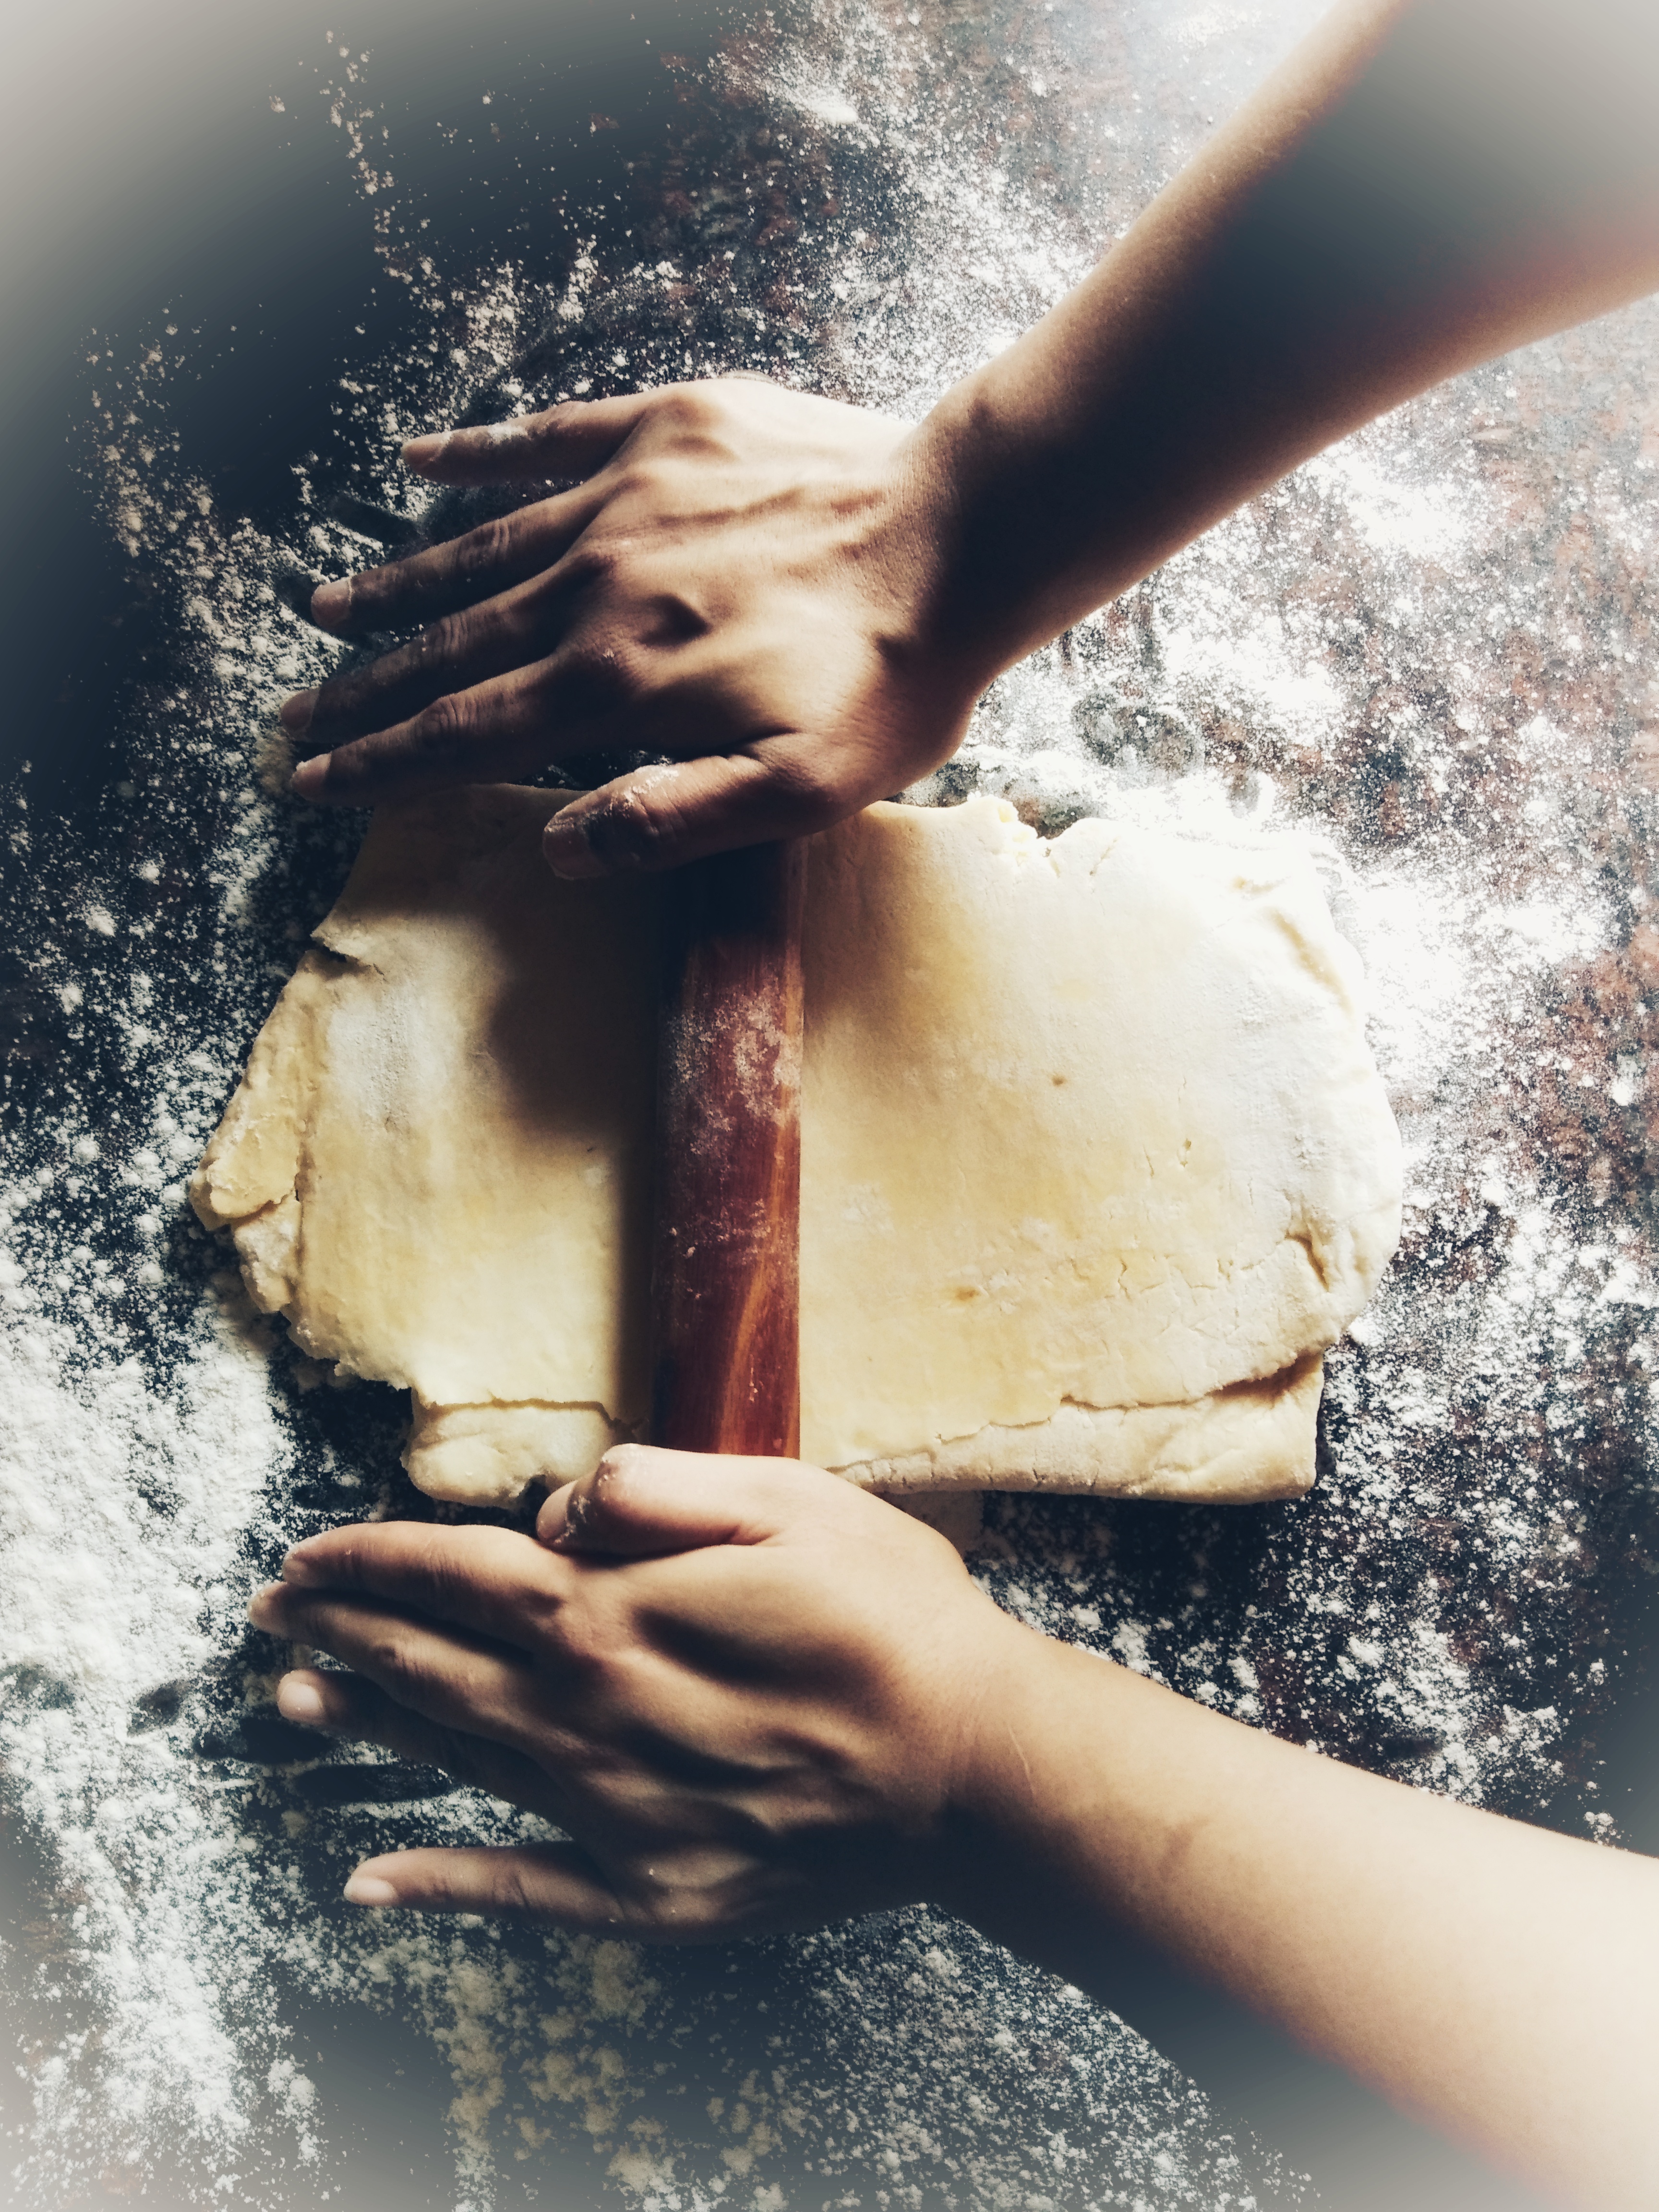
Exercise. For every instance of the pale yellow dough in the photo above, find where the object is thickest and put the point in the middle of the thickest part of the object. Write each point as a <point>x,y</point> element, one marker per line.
<point>1095,1160</point>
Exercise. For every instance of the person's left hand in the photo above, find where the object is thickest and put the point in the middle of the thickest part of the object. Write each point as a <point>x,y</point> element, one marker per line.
<point>745,1688</point>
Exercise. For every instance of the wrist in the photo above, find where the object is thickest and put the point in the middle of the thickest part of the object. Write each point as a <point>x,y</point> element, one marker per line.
<point>948,471</point>
<point>912,583</point>
<point>1027,1765</point>
<point>1012,563</point>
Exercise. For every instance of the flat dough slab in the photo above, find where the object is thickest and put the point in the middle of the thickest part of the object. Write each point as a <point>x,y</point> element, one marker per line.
<point>1095,1160</point>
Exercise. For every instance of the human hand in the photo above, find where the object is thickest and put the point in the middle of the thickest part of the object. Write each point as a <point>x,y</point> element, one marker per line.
<point>741,579</point>
<point>747,1690</point>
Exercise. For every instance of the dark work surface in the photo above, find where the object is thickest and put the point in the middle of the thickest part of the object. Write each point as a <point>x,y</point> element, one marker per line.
<point>1486,1491</point>
<point>251,229</point>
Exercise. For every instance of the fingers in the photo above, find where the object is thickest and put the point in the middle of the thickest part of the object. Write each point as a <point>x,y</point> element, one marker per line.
<point>487,734</point>
<point>661,817</point>
<point>640,1502</point>
<point>346,1706</point>
<point>689,1895</point>
<point>549,1881</point>
<point>493,1582</point>
<point>513,724</point>
<point>496,555</point>
<point>455,1680</point>
<point>570,439</point>
<point>453,655</point>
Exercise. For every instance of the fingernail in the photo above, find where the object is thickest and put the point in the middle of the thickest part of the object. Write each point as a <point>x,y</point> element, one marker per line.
<point>308,780</point>
<point>369,1889</point>
<point>296,713</point>
<point>300,1701</point>
<point>420,452</point>
<point>330,605</point>
<point>569,851</point>
<point>263,1603</point>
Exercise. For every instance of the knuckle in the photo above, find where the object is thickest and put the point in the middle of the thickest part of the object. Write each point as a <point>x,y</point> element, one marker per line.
<point>594,564</point>
<point>441,1574</point>
<point>509,620</point>
<point>422,652</point>
<point>811,787</point>
<point>631,480</point>
<point>399,1669</point>
<point>482,550</point>
<point>443,642</point>
<point>693,407</point>
<point>597,677</point>
<point>653,1897</point>
<point>619,1466</point>
<point>637,825</point>
<point>443,727</point>
<point>580,1648</point>
<point>646,480</point>
<point>590,1643</point>
<point>510,1886</point>
<point>657,818</point>
<point>674,617</point>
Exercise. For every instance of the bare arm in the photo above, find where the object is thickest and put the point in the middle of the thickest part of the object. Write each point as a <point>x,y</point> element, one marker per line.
<point>1423,185</point>
<point>801,601</point>
<point>759,1699</point>
<point>1493,1981</point>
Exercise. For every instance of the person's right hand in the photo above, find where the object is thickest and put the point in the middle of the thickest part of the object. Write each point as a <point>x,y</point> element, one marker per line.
<point>743,578</point>
<point>750,1693</point>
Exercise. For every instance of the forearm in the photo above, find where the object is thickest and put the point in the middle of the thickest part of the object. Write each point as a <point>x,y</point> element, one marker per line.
<point>1480,1975</point>
<point>758,1697</point>
<point>1421,186</point>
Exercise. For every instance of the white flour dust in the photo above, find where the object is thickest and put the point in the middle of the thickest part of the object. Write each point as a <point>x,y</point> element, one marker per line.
<point>125,1509</point>
<point>1429,654</point>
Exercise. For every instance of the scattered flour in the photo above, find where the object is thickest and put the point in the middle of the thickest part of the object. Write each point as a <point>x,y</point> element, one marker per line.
<point>1430,653</point>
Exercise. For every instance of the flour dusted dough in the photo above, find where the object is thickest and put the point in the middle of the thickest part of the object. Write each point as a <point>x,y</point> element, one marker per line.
<point>438,1163</point>
<point>1095,1160</point>
<point>1098,1162</point>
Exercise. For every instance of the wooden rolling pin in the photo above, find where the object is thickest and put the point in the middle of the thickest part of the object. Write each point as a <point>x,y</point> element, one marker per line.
<point>726,1271</point>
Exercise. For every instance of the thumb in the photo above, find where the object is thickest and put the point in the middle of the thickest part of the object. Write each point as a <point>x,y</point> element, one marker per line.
<point>641,1502</point>
<point>555,1881</point>
<point>661,817</point>
<point>571,439</point>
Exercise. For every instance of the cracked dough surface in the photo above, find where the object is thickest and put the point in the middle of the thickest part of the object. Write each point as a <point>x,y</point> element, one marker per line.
<point>1095,1160</point>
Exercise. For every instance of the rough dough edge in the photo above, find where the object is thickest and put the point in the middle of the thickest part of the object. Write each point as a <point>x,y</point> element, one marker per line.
<point>493,1452</point>
<point>1247,1443</point>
